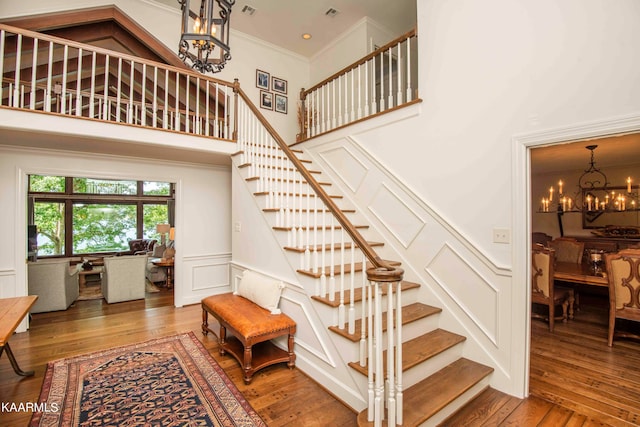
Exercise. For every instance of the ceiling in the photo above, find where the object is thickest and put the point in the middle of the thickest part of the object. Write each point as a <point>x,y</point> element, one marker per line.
<point>282,22</point>
<point>611,151</point>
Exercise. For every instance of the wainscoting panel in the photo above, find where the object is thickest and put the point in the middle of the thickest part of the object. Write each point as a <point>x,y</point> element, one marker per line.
<point>351,171</point>
<point>200,276</point>
<point>7,283</point>
<point>396,215</point>
<point>457,277</point>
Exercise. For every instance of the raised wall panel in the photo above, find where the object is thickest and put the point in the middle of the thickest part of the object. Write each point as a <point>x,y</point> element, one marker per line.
<point>346,166</point>
<point>476,296</point>
<point>396,215</point>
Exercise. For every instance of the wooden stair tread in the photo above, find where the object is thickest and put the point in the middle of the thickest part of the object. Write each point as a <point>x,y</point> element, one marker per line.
<point>357,266</point>
<point>327,227</point>
<point>429,396</point>
<point>418,350</point>
<point>293,181</point>
<point>279,156</point>
<point>266,193</point>
<point>410,313</point>
<point>297,210</point>
<point>246,165</point>
<point>357,294</point>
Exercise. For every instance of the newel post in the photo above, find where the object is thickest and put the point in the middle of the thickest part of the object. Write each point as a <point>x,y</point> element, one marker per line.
<point>236,90</point>
<point>302,117</point>
<point>391,386</point>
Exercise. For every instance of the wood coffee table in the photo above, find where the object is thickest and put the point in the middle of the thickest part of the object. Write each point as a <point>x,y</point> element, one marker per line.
<point>12,311</point>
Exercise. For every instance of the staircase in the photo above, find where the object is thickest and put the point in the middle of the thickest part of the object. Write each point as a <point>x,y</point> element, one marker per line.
<point>436,379</point>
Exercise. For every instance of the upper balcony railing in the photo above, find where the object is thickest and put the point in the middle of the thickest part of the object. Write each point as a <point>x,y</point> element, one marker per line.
<point>380,82</point>
<point>45,73</point>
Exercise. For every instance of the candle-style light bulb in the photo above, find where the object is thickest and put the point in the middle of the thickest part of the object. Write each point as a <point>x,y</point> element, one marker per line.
<point>550,194</point>
<point>560,183</point>
<point>628,184</point>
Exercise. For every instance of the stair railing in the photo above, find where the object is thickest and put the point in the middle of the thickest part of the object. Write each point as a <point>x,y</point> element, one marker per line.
<point>57,76</point>
<point>288,187</point>
<point>53,75</point>
<point>380,82</point>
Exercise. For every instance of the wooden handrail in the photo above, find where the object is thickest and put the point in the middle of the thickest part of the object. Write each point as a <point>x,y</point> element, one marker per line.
<point>360,241</point>
<point>305,92</point>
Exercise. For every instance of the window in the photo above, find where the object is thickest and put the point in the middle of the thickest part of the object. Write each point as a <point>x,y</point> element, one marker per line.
<point>76,216</point>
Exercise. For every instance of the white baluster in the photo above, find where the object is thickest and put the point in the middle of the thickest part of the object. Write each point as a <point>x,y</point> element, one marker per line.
<point>63,93</point>
<point>18,68</point>
<point>378,371</point>
<point>366,315</point>
<point>332,278</point>
<point>399,391</point>
<point>352,290</point>
<point>118,91</point>
<point>323,264</point>
<point>78,83</point>
<point>390,386</point>
<point>408,97</point>
<point>307,251</point>
<point>390,99</point>
<point>371,354</point>
<point>2,38</point>
<point>34,67</point>
<point>47,106</point>
<point>341,308</point>
<point>399,75</point>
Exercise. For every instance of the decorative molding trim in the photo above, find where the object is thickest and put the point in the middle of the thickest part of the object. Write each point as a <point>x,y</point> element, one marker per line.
<point>353,183</point>
<point>399,205</point>
<point>490,331</point>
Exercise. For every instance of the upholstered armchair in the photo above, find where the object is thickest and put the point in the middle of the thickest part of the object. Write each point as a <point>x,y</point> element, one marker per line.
<point>623,273</point>
<point>123,278</point>
<point>55,283</point>
<point>543,289</point>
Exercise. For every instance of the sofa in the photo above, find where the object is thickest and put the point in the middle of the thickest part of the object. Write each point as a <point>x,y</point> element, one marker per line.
<point>123,278</point>
<point>141,246</point>
<point>55,283</point>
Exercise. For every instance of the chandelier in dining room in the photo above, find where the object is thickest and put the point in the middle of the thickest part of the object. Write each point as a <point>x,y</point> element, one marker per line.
<point>204,39</point>
<point>595,193</point>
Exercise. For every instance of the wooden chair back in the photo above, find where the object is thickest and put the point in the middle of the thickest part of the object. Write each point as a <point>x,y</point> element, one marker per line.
<point>623,273</point>
<point>542,271</point>
<point>568,249</point>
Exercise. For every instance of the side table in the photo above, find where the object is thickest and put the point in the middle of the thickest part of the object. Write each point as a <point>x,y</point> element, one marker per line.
<point>168,265</point>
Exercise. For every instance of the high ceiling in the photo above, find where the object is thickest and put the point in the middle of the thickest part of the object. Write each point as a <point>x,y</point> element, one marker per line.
<point>282,22</point>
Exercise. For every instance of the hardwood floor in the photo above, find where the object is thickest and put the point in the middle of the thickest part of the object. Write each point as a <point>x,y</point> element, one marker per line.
<point>281,396</point>
<point>576,379</point>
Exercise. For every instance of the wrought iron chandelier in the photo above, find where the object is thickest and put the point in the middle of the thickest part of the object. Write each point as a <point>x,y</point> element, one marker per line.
<point>204,40</point>
<point>594,195</point>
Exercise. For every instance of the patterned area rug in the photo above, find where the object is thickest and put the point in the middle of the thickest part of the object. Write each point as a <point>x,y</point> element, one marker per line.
<point>170,381</point>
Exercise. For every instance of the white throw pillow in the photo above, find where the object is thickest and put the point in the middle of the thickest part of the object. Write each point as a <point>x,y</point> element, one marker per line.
<point>262,290</point>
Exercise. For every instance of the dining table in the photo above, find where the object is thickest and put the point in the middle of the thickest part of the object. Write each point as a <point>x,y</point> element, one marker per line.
<point>582,273</point>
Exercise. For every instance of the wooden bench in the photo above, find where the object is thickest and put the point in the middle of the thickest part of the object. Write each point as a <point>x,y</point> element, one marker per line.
<point>252,328</point>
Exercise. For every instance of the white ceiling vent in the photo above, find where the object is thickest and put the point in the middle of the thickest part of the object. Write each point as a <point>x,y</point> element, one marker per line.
<point>332,12</point>
<point>248,10</point>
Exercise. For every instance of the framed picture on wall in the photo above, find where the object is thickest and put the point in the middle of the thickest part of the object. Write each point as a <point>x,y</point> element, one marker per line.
<point>266,100</point>
<point>281,104</point>
<point>279,85</point>
<point>262,79</point>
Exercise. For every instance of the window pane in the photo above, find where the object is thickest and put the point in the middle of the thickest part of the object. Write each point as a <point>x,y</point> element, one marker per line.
<point>103,227</point>
<point>104,186</point>
<point>49,218</point>
<point>154,214</point>
<point>46,184</point>
<point>152,188</point>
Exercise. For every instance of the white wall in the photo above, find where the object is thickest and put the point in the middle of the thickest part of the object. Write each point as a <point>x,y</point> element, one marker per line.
<point>348,47</point>
<point>203,213</point>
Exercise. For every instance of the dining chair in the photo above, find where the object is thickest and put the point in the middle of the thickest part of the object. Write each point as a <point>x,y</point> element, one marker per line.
<point>543,288</point>
<point>567,249</point>
<point>623,272</point>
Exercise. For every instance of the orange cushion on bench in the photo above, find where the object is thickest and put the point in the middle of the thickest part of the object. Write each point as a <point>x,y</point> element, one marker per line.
<point>247,318</point>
